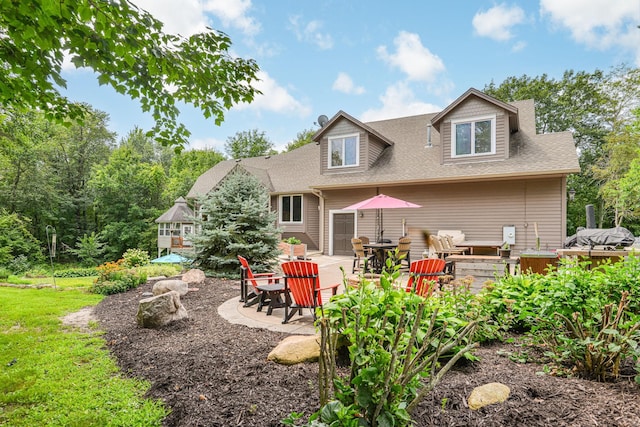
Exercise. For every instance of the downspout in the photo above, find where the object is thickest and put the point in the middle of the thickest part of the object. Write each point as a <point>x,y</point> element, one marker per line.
<point>318,193</point>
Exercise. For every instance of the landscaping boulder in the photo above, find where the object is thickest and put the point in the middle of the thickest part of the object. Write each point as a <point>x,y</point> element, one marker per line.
<point>488,394</point>
<point>164,286</point>
<point>159,310</point>
<point>193,277</point>
<point>296,349</point>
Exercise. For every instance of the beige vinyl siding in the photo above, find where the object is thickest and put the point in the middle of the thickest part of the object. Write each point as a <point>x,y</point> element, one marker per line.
<point>374,149</point>
<point>312,219</point>
<point>478,209</point>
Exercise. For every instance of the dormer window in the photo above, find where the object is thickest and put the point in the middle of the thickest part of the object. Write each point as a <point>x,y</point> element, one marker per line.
<point>473,137</point>
<point>343,151</point>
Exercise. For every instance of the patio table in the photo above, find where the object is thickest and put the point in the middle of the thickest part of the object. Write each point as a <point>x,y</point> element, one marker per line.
<point>482,247</point>
<point>380,250</point>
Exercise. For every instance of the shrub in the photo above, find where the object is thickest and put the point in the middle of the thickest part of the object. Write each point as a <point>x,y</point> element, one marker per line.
<point>587,318</point>
<point>135,258</point>
<point>19,264</point>
<point>398,343</point>
<point>113,278</point>
<point>76,272</point>
<point>4,273</point>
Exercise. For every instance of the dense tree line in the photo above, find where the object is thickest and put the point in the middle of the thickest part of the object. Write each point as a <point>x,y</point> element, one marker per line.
<point>601,109</point>
<point>79,180</point>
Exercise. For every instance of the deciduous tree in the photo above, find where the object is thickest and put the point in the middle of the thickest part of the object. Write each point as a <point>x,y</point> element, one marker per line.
<point>248,143</point>
<point>128,50</point>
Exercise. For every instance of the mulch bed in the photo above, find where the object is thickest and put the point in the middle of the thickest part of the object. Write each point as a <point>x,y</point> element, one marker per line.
<point>213,373</point>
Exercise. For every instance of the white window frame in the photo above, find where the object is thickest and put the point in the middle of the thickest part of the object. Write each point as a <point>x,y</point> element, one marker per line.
<point>280,210</point>
<point>343,138</point>
<point>164,229</point>
<point>473,121</point>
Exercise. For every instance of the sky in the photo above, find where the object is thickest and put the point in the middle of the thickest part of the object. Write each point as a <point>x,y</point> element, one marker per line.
<point>376,59</point>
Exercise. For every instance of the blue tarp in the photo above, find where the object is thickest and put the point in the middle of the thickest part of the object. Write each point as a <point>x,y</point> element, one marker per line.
<point>171,259</point>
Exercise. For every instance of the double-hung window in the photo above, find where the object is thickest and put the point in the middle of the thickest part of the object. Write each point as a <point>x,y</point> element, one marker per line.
<point>291,209</point>
<point>343,151</point>
<point>473,137</point>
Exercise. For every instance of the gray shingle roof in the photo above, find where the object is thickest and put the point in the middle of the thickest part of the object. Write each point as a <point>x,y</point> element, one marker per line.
<point>179,212</point>
<point>408,160</point>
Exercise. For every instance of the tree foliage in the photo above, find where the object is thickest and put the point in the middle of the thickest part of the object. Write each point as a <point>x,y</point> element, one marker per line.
<point>128,198</point>
<point>302,138</point>
<point>185,169</point>
<point>236,220</point>
<point>248,143</point>
<point>128,50</point>
<point>595,107</point>
<point>16,240</point>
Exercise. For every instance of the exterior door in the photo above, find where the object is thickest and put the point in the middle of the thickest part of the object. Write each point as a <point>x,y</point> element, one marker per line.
<point>343,228</point>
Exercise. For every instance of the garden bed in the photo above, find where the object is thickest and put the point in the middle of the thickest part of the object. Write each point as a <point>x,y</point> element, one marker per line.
<point>212,373</point>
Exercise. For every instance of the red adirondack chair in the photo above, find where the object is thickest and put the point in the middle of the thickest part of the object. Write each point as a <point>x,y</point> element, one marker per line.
<point>423,275</point>
<point>249,283</point>
<point>302,288</point>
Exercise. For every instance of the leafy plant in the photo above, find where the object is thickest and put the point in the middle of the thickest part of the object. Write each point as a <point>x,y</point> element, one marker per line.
<point>76,272</point>
<point>89,249</point>
<point>135,258</point>
<point>114,278</point>
<point>4,273</point>
<point>595,348</point>
<point>292,241</point>
<point>396,340</point>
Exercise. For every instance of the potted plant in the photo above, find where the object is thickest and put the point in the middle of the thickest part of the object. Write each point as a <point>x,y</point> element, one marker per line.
<point>294,248</point>
<point>505,251</point>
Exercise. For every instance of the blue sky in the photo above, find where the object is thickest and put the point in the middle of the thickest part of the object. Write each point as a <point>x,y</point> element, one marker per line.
<point>377,59</point>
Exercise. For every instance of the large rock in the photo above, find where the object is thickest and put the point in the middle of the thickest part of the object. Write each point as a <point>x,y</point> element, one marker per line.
<point>164,286</point>
<point>488,394</point>
<point>194,277</point>
<point>159,310</point>
<point>296,349</point>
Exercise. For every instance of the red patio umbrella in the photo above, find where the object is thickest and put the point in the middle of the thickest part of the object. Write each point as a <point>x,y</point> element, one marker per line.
<point>381,202</point>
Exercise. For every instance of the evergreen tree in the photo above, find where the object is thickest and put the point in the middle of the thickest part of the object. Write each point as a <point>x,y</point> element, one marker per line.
<point>236,220</point>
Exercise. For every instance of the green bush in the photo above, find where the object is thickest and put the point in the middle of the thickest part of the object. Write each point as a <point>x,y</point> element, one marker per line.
<point>76,272</point>
<point>587,318</point>
<point>19,265</point>
<point>113,278</point>
<point>400,345</point>
<point>4,273</point>
<point>135,258</point>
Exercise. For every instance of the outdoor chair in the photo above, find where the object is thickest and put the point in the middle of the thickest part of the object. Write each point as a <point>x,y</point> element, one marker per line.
<point>424,274</point>
<point>403,254</point>
<point>302,288</point>
<point>362,259</point>
<point>259,288</point>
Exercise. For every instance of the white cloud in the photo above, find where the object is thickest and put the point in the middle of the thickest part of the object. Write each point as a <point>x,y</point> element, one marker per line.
<point>186,20</point>
<point>206,143</point>
<point>398,101</point>
<point>518,46</point>
<point>234,13</point>
<point>190,16</point>
<point>344,83</point>
<point>412,57</point>
<point>274,98</point>
<point>601,24</point>
<point>311,33</point>
<point>497,22</point>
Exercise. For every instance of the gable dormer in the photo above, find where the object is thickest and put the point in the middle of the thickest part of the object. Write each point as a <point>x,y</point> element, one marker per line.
<point>476,127</point>
<point>347,145</point>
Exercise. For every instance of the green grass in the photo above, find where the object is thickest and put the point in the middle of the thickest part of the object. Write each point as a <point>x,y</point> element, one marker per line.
<point>56,376</point>
<point>61,282</point>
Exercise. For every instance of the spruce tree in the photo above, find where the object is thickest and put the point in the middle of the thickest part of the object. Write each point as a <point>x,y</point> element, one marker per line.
<point>236,220</point>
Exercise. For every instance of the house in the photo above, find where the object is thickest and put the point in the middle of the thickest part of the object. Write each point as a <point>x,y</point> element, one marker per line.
<point>476,166</point>
<point>174,227</point>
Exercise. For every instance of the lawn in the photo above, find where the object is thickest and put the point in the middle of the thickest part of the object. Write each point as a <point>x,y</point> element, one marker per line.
<point>57,376</point>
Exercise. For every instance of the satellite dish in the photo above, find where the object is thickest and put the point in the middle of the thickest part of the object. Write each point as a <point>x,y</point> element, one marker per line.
<point>322,120</point>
